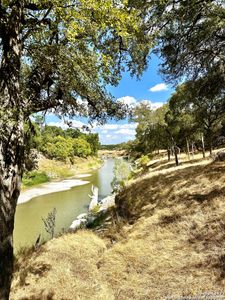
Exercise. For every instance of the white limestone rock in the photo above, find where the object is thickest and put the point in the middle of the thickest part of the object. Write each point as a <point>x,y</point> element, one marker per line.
<point>78,224</point>
<point>107,202</point>
<point>82,216</point>
<point>94,198</point>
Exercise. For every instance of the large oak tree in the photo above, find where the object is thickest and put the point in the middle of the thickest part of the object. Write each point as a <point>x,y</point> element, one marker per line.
<point>192,38</point>
<point>58,55</point>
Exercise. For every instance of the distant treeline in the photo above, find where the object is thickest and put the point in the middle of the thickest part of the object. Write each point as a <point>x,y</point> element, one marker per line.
<point>113,147</point>
<point>56,143</point>
<point>188,122</point>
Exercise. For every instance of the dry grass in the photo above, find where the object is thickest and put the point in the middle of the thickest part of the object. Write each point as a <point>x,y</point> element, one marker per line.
<point>58,169</point>
<point>66,268</point>
<point>173,243</point>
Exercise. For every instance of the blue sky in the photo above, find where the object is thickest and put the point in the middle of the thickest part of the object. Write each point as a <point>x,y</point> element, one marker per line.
<point>150,87</point>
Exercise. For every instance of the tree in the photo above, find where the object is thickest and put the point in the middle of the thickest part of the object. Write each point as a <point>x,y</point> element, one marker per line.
<point>191,38</point>
<point>151,132</point>
<point>191,42</point>
<point>60,148</point>
<point>58,56</point>
<point>93,140</point>
<point>81,147</point>
<point>205,108</point>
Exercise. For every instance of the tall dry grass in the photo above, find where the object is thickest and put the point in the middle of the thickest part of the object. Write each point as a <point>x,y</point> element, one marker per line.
<point>172,242</point>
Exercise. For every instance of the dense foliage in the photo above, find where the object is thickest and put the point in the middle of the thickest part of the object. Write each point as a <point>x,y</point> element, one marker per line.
<point>191,42</point>
<point>113,147</point>
<point>189,120</point>
<point>56,143</point>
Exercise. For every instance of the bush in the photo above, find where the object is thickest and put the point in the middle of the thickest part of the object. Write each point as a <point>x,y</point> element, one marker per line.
<point>143,160</point>
<point>34,178</point>
<point>81,147</point>
<point>121,174</point>
<point>61,148</point>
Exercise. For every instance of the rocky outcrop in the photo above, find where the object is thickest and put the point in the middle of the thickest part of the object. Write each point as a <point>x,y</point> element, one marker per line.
<point>96,208</point>
<point>94,198</point>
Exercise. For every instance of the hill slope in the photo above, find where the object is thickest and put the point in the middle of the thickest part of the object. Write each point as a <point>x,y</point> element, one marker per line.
<point>171,243</point>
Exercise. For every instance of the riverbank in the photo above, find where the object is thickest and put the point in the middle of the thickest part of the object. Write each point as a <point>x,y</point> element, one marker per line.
<point>51,187</point>
<point>59,177</point>
<point>166,240</point>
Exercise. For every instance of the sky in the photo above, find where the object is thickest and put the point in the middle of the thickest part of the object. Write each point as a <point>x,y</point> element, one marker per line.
<point>150,87</point>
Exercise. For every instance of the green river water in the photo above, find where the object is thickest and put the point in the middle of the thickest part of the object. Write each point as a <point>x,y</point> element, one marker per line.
<point>69,204</point>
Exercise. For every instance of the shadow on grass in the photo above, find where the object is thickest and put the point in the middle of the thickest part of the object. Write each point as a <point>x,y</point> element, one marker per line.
<point>38,269</point>
<point>191,200</point>
<point>178,186</point>
<point>171,164</point>
<point>207,196</point>
<point>220,266</point>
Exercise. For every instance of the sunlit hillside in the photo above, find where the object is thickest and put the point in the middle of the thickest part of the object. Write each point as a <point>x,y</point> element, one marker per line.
<point>167,240</point>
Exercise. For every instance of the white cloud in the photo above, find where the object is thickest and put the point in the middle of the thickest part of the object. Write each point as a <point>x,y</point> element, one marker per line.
<point>132,102</point>
<point>152,105</point>
<point>125,131</point>
<point>64,125</point>
<point>116,133</point>
<point>128,100</point>
<point>116,126</point>
<point>108,126</point>
<point>159,87</point>
<point>104,131</point>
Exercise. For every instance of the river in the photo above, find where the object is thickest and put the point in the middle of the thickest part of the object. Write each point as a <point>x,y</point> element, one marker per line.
<point>68,204</point>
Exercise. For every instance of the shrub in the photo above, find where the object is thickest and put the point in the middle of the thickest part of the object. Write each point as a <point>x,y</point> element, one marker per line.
<point>34,178</point>
<point>81,147</point>
<point>60,148</point>
<point>143,160</point>
<point>121,173</point>
<point>49,222</point>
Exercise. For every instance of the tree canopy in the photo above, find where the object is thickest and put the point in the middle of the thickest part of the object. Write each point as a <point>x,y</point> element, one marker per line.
<point>192,38</point>
<point>70,51</point>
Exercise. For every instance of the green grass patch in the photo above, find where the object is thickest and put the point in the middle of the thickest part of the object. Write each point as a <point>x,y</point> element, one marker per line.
<point>34,178</point>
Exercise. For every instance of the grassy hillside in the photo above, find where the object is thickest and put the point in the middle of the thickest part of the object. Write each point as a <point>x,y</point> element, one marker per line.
<point>168,240</point>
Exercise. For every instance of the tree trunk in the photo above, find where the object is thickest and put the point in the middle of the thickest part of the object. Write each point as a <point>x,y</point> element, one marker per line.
<point>203,146</point>
<point>176,156</point>
<point>175,150</point>
<point>168,153</point>
<point>172,151</point>
<point>11,167</point>
<point>192,150</point>
<point>11,142</point>
<point>210,146</point>
<point>210,149</point>
<point>10,180</point>
<point>188,149</point>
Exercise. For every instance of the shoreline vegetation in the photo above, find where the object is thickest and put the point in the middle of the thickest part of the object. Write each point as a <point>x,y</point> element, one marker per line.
<point>54,176</point>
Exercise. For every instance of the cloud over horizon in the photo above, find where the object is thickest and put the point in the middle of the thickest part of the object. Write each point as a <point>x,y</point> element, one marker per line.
<point>133,102</point>
<point>159,87</point>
